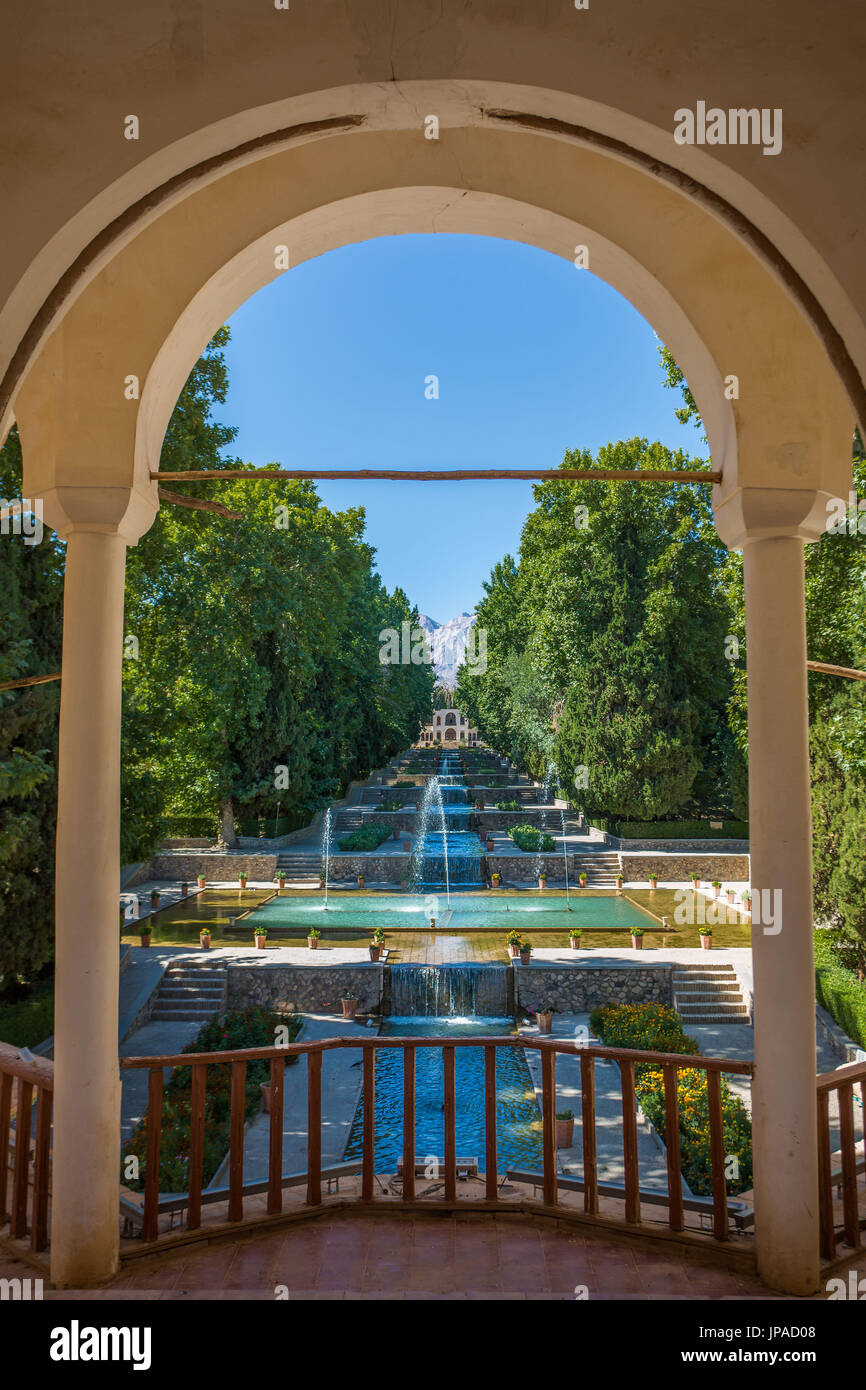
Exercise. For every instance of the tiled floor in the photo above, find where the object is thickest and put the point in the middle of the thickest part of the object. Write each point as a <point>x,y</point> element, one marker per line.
<point>405,1258</point>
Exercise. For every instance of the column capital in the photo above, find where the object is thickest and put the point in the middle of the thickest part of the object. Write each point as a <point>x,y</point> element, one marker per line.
<point>126,512</point>
<point>768,513</point>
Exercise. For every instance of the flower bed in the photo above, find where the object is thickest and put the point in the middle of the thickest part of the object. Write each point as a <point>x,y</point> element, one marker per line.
<point>657,1028</point>
<point>237,1029</point>
<point>528,838</point>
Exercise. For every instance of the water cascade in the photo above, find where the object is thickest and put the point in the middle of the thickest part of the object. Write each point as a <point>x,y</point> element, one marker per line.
<point>449,853</point>
<point>450,991</point>
<point>326,851</point>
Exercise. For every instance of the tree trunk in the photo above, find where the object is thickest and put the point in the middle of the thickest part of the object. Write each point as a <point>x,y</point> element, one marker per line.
<point>228,838</point>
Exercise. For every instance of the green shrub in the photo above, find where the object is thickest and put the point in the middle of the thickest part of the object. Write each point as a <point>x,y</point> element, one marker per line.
<point>657,1028</point>
<point>672,829</point>
<point>390,805</point>
<point>527,837</point>
<point>838,990</point>
<point>240,1028</point>
<point>508,806</point>
<point>29,1021</point>
<point>367,838</point>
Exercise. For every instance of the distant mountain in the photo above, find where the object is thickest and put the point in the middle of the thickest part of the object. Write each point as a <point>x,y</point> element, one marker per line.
<point>447,642</point>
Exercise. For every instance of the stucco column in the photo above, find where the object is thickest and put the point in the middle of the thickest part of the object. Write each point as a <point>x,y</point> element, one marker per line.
<point>86,1155</point>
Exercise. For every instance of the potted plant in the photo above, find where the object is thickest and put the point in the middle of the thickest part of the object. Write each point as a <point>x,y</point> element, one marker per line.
<point>313,938</point>
<point>349,1003</point>
<point>653,880</point>
<point>707,938</point>
<point>696,878</point>
<point>122,918</point>
<point>281,879</point>
<point>261,936</point>
<point>184,889</point>
<point>321,882</point>
<point>489,844</point>
<point>407,846</point>
<point>637,939</point>
<point>544,1018</point>
<point>242,879</point>
<point>496,880</point>
<point>619,882</point>
<point>581,878</point>
<point>574,938</point>
<point>377,943</point>
<point>513,943</point>
<point>716,885</point>
<point>729,894</point>
<point>747,902</point>
<point>564,1129</point>
<point>200,880</point>
<point>360,880</point>
<point>144,934</point>
<point>204,938</point>
<point>154,899</point>
<point>525,952</point>
<point>542,880</point>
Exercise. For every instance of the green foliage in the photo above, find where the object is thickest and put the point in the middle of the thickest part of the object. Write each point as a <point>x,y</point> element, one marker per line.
<point>509,806</point>
<point>606,643</point>
<point>671,829</point>
<point>30,645</point>
<point>839,990</point>
<point>528,837</point>
<point>657,1028</point>
<point>29,1021</point>
<point>367,838</point>
<point>240,1028</point>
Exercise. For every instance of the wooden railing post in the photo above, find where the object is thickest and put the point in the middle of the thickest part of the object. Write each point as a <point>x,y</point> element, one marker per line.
<point>672,1147</point>
<point>150,1221</point>
<point>717,1156</point>
<point>825,1188</point>
<point>849,1164</point>
<point>629,1141</point>
<point>236,1140</point>
<point>450,1119</point>
<point>490,1121</point>
<point>5,1122</point>
<point>23,1124</point>
<point>41,1162</point>
<point>587,1110</point>
<point>368,1157</point>
<point>548,1123</point>
<point>314,1129</point>
<point>409,1124</point>
<point>275,1136</point>
<point>198,1091</point>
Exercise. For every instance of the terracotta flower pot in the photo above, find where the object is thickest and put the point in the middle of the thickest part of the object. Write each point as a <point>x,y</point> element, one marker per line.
<point>313,943</point>
<point>184,889</point>
<point>154,900</point>
<point>564,1133</point>
<point>653,883</point>
<point>144,938</point>
<point>200,880</point>
<point>349,1007</point>
<point>242,880</point>
<point>574,943</point>
<point>204,940</point>
<point>706,942</point>
<point>525,957</point>
<point>360,880</point>
<point>637,943</point>
<point>261,942</point>
<point>542,881</point>
<point>545,1022</point>
<point>375,952</point>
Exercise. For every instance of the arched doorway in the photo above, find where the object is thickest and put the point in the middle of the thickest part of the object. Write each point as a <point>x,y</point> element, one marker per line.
<point>162,288</point>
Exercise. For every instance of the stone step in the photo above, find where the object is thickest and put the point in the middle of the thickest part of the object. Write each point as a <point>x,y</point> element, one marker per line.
<point>173,993</point>
<point>698,998</point>
<point>184,1015</point>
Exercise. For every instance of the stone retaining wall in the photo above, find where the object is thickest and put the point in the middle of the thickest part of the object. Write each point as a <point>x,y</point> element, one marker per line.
<point>679,867</point>
<point>582,988</point>
<point>222,868</point>
<point>702,847</point>
<point>306,988</point>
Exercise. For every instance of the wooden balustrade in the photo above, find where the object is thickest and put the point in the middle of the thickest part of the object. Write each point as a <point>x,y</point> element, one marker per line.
<point>550,1182</point>
<point>839,1170</point>
<point>25,1146</point>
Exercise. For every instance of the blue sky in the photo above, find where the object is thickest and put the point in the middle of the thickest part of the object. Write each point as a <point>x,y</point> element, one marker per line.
<point>327,369</point>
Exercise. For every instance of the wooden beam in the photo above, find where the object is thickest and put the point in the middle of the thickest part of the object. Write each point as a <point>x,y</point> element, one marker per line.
<point>849,672</point>
<point>456,475</point>
<point>29,680</point>
<point>198,504</point>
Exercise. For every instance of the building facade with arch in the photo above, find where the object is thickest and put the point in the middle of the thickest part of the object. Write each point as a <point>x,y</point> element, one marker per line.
<point>447,726</point>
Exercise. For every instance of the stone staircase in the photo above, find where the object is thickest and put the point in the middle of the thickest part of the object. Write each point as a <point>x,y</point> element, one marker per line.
<point>190,992</point>
<point>600,868</point>
<point>300,867</point>
<point>709,994</point>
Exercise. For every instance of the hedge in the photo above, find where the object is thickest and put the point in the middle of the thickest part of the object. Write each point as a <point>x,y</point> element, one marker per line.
<point>367,838</point>
<point>29,1021</point>
<point>240,1028</point>
<point>839,991</point>
<point>528,838</point>
<point>672,829</point>
<point>657,1028</point>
